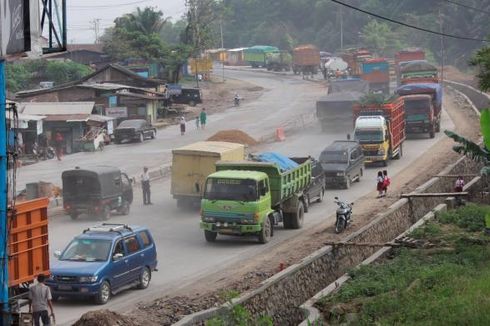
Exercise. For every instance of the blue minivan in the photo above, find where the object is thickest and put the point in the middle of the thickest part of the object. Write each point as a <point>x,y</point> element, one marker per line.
<point>103,261</point>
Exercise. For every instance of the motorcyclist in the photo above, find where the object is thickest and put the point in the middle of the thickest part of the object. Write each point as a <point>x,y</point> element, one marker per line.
<point>236,99</point>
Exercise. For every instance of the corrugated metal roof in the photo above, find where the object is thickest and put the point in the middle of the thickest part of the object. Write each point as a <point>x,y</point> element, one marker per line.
<point>209,147</point>
<point>237,49</point>
<point>56,108</point>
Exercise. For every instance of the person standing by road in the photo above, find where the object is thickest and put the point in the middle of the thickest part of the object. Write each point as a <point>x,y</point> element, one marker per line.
<point>182,125</point>
<point>39,302</point>
<point>58,142</point>
<point>145,184</point>
<point>197,122</point>
<point>202,117</point>
<point>459,184</point>
<point>379,184</point>
<point>386,182</point>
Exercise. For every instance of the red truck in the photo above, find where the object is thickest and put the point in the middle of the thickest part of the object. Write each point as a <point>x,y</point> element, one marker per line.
<point>409,54</point>
<point>380,129</point>
<point>423,106</point>
<point>306,59</point>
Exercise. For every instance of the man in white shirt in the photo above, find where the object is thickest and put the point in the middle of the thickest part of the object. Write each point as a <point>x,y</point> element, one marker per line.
<point>145,184</point>
<point>40,301</point>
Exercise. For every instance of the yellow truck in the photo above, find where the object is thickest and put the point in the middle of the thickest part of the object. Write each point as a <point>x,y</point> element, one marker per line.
<point>192,164</point>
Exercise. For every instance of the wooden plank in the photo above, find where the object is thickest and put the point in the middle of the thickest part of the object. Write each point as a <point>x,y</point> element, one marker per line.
<point>436,194</point>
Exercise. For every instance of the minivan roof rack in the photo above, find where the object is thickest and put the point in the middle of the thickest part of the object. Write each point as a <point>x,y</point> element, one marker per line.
<point>109,227</point>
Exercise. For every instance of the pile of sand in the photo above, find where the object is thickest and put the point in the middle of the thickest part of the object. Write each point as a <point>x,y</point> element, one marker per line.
<point>233,136</point>
<point>105,318</point>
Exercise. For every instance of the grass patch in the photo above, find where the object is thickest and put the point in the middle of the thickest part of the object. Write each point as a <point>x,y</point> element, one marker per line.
<point>445,285</point>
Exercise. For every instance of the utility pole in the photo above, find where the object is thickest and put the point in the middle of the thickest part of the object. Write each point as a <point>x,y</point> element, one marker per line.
<point>441,27</point>
<point>341,29</point>
<point>222,47</point>
<point>96,26</point>
<point>3,197</point>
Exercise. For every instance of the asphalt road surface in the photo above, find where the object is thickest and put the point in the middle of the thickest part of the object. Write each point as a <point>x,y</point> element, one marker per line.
<point>184,256</point>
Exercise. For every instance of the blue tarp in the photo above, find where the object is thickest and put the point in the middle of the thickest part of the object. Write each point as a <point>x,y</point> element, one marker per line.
<point>284,162</point>
<point>422,88</point>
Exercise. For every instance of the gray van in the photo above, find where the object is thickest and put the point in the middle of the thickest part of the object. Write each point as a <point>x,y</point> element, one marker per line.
<point>343,163</point>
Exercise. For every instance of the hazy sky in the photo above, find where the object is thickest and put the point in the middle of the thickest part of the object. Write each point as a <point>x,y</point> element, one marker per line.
<point>81,14</point>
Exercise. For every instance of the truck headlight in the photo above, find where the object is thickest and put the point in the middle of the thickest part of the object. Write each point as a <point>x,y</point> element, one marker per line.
<point>88,279</point>
<point>381,152</point>
<point>340,174</point>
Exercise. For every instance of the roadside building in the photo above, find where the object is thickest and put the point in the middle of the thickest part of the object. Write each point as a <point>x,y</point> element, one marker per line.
<point>27,128</point>
<point>72,119</point>
<point>235,57</point>
<point>88,54</point>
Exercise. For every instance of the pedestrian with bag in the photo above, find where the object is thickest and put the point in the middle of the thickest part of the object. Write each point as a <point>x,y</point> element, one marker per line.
<point>40,301</point>
<point>145,185</point>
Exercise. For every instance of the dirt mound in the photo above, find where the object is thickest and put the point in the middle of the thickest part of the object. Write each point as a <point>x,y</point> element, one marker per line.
<point>233,136</point>
<point>105,318</point>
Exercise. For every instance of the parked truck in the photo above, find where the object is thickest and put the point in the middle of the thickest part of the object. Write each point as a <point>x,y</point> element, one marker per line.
<point>354,58</point>
<point>379,126</point>
<point>256,55</point>
<point>251,197</point>
<point>423,106</point>
<point>278,61</point>
<point>28,248</point>
<point>192,164</point>
<point>377,73</point>
<point>306,59</point>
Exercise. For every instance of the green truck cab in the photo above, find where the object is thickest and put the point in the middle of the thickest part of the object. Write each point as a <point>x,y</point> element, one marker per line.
<point>250,198</point>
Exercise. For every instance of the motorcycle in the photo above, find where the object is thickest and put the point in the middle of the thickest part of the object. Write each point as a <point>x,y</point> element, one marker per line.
<point>344,213</point>
<point>236,101</point>
<point>43,153</point>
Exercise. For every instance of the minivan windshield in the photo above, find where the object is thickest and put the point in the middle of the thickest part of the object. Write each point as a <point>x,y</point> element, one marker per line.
<point>89,250</point>
<point>368,136</point>
<point>334,157</point>
<point>231,189</point>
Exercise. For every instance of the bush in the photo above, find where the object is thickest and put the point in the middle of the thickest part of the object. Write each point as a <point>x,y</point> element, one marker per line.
<point>470,217</point>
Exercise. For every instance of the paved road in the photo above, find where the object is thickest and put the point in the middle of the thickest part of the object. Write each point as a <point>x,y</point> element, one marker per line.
<point>184,255</point>
<point>284,99</point>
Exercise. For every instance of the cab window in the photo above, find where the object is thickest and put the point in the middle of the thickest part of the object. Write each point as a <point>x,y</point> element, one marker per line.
<point>263,188</point>
<point>118,248</point>
<point>145,239</point>
<point>132,244</point>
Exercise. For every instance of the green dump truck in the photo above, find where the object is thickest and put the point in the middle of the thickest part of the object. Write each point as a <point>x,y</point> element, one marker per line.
<point>251,197</point>
<point>278,61</point>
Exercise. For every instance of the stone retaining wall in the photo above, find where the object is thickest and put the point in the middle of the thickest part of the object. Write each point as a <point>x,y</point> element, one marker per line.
<point>281,295</point>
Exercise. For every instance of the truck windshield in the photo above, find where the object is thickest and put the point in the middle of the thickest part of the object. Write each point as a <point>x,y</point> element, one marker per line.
<point>417,107</point>
<point>231,189</point>
<point>89,250</point>
<point>365,136</point>
<point>334,157</point>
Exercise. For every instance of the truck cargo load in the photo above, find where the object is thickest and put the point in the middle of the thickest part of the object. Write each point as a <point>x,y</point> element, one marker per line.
<point>28,246</point>
<point>419,71</point>
<point>192,164</point>
<point>422,115</point>
<point>348,85</point>
<point>409,54</point>
<point>306,59</point>
<point>377,73</point>
<point>380,128</point>
<point>256,55</point>
<point>355,58</point>
<point>250,197</point>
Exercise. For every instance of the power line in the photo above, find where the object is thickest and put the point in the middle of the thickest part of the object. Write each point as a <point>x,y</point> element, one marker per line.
<point>409,25</point>
<point>467,7</point>
<point>110,6</point>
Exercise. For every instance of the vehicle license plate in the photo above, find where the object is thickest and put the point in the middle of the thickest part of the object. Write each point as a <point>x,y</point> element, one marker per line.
<point>64,287</point>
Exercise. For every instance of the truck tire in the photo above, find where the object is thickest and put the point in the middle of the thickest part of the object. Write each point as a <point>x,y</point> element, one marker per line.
<point>266,232</point>
<point>286,220</point>
<point>210,236</point>
<point>141,138</point>
<point>124,209</point>
<point>298,217</point>
<point>438,126</point>
<point>306,203</point>
<point>153,134</point>
<point>320,197</point>
<point>347,182</point>
<point>432,133</point>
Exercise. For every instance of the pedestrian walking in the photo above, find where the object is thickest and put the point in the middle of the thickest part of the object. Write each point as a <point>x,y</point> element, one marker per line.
<point>197,122</point>
<point>182,125</point>
<point>58,142</point>
<point>202,117</point>
<point>459,184</point>
<point>386,182</point>
<point>145,185</point>
<point>379,184</point>
<point>40,301</point>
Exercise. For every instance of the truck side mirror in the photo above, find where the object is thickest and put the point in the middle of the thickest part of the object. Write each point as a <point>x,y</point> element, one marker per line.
<point>57,253</point>
<point>117,256</point>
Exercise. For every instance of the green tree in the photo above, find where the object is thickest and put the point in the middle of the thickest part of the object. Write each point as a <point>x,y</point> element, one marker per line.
<point>481,60</point>
<point>380,38</point>
<point>202,24</point>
